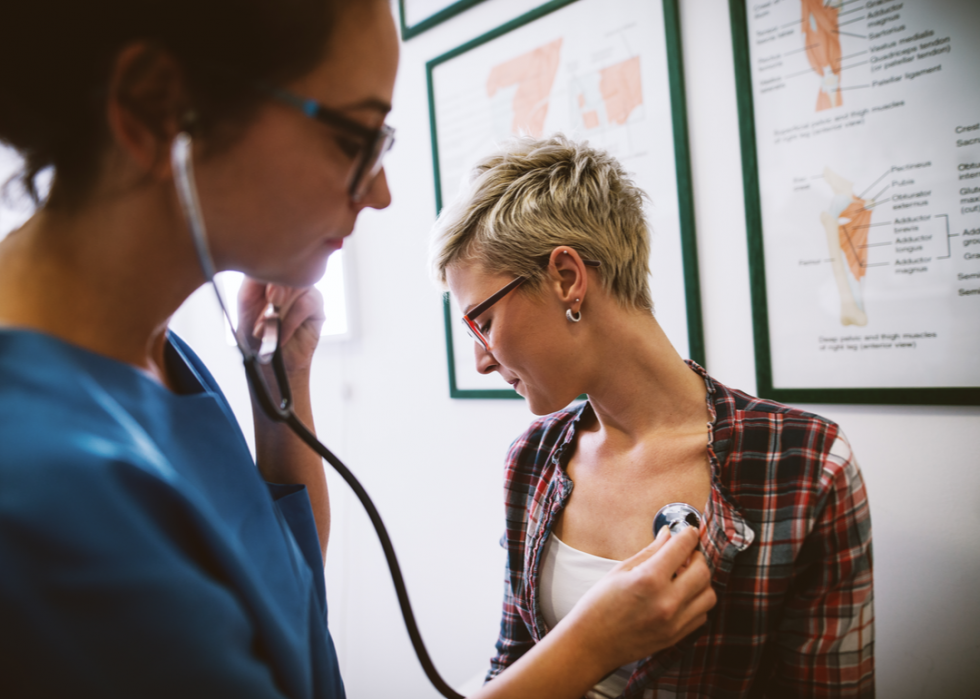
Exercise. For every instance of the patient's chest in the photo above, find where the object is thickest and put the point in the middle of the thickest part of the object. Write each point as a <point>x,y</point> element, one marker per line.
<point>617,493</point>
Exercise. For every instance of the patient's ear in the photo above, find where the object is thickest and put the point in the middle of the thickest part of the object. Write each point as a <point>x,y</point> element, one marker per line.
<point>568,273</point>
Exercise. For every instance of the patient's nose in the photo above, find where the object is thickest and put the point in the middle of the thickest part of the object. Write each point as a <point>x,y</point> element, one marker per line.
<point>485,362</point>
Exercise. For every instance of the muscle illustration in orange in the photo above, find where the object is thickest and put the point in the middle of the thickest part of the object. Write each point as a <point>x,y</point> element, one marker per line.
<point>534,74</point>
<point>610,96</point>
<point>822,41</point>
<point>846,223</point>
<point>853,229</point>
<point>622,90</point>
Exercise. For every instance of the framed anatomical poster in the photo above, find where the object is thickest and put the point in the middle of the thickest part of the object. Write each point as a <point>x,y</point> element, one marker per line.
<point>605,71</point>
<point>860,133</point>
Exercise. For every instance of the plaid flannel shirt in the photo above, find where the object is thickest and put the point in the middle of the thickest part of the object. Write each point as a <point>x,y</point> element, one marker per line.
<point>787,537</point>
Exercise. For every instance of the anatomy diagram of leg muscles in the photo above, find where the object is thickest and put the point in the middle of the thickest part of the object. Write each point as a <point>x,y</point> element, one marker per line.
<point>822,45</point>
<point>865,124</point>
<point>846,222</point>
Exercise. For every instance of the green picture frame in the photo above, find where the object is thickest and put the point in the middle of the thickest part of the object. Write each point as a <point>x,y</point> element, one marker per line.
<point>765,388</point>
<point>409,31</point>
<point>678,110</point>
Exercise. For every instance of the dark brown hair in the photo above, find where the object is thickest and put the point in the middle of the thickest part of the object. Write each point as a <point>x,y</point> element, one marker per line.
<point>56,57</point>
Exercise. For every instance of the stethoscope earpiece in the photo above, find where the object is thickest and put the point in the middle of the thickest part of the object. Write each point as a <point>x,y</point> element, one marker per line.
<point>676,516</point>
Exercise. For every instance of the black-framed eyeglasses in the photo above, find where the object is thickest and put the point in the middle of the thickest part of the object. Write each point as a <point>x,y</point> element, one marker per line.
<point>375,143</point>
<point>469,319</point>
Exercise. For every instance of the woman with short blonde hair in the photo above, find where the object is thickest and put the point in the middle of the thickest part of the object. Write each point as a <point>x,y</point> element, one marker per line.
<point>546,252</point>
<point>536,195</point>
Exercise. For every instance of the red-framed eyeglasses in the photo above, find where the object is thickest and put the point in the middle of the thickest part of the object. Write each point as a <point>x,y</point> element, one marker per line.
<point>469,319</point>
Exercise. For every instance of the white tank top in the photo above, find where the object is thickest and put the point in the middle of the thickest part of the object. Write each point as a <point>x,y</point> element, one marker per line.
<point>565,575</point>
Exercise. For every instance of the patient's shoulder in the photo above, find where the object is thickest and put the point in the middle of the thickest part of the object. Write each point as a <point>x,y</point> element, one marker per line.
<point>532,454</point>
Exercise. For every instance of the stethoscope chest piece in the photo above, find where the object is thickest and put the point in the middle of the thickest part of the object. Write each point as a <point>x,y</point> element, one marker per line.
<point>676,516</point>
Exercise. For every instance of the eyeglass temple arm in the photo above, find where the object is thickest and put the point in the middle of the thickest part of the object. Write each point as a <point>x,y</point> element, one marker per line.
<point>477,310</point>
<point>314,109</point>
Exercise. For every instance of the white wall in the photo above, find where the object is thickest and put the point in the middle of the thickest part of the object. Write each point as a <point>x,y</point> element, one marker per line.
<point>433,465</point>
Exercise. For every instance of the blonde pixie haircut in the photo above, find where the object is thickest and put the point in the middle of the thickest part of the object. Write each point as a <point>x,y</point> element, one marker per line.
<point>534,195</point>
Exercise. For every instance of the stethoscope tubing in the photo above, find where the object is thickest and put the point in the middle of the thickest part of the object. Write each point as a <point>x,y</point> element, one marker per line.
<point>187,194</point>
<point>396,574</point>
<point>287,416</point>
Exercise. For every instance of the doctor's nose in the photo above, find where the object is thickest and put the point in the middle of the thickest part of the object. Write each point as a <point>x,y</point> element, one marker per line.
<point>378,196</point>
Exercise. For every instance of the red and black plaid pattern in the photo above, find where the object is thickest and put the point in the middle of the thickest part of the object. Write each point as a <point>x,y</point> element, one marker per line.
<point>788,538</point>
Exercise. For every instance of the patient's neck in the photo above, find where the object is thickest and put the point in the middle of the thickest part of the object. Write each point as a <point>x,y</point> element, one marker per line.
<point>639,386</point>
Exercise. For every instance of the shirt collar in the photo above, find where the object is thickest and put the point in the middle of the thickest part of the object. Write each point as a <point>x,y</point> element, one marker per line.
<point>726,533</point>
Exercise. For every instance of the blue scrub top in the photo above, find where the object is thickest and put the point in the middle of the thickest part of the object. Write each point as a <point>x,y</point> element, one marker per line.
<point>141,554</point>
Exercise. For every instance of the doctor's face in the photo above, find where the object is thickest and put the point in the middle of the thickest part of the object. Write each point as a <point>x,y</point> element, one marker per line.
<point>277,200</point>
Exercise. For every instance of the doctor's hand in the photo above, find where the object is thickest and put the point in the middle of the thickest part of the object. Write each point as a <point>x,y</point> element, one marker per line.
<point>302,316</point>
<point>645,604</point>
<point>280,455</point>
<point>648,602</point>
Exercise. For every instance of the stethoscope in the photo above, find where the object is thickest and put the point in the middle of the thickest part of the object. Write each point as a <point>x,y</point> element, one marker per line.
<point>675,516</point>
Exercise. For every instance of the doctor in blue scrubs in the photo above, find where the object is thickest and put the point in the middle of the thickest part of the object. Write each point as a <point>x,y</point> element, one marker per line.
<point>143,553</point>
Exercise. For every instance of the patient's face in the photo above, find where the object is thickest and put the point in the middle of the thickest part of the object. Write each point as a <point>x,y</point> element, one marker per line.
<point>528,334</point>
